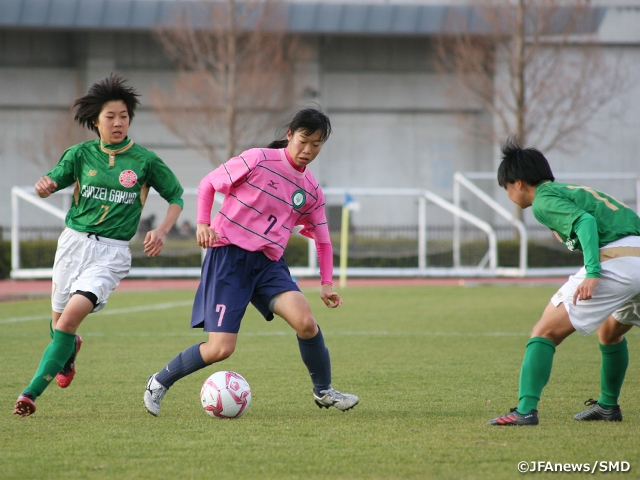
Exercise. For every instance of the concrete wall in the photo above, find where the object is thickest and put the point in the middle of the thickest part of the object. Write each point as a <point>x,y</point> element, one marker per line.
<point>392,124</point>
<point>395,125</point>
<point>395,121</point>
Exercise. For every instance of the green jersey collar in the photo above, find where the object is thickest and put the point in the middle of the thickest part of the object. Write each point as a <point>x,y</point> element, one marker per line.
<point>116,146</point>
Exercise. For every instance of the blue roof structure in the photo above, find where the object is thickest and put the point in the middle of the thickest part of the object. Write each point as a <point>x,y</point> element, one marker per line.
<point>307,18</point>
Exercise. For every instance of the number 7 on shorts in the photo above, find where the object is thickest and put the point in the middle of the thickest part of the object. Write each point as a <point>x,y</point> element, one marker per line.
<point>220,308</point>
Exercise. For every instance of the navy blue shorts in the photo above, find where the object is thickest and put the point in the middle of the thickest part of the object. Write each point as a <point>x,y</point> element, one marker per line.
<point>231,278</point>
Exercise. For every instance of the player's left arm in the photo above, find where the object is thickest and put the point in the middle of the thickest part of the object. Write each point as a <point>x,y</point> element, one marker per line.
<point>320,235</point>
<point>586,230</point>
<point>154,240</point>
<point>164,181</point>
<point>330,298</point>
<point>325,259</point>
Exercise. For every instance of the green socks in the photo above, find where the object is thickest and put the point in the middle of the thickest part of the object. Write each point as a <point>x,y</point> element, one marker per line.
<point>615,360</point>
<point>53,359</point>
<point>535,372</point>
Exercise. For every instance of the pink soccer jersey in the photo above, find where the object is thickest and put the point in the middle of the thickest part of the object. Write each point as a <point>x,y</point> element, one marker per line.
<point>265,198</point>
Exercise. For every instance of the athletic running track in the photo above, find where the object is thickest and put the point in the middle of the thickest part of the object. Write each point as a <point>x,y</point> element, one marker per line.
<point>24,289</point>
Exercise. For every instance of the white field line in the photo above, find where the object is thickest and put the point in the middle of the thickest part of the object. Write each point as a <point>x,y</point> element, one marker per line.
<point>188,333</point>
<point>200,333</point>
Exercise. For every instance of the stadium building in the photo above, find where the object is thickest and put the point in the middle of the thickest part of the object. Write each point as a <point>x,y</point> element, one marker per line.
<point>371,68</point>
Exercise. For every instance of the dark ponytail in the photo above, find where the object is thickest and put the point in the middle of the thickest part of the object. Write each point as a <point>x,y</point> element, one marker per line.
<point>278,144</point>
<point>309,121</point>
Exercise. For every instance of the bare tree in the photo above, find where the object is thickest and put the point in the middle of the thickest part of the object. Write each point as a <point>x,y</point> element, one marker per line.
<point>534,66</point>
<point>53,134</point>
<point>47,144</point>
<point>235,74</point>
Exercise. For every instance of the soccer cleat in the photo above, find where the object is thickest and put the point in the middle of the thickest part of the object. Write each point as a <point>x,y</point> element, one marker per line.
<point>333,398</point>
<point>25,405</point>
<point>516,418</point>
<point>153,395</point>
<point>65,377</point>
<point>598,412</point>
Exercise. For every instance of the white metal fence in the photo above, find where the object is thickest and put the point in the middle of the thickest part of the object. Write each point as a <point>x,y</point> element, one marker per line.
<point>623,184</point>
<point>416,203</point>
<point>486,267</point>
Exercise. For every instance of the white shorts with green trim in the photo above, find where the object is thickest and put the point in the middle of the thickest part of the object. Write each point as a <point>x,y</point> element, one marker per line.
<point>617,292</point>
<point>87,263</point>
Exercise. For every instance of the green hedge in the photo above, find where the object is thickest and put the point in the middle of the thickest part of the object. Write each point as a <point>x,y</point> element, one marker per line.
<point>41,253</point>
<point>538,255</point>
<point>5,258</point>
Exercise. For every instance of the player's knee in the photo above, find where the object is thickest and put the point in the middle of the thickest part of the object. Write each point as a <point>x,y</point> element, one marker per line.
<point>611,332</point>
<point>554,325</point>
<point>554,334</point>
<point>212,353</point>
<point>307,327</point>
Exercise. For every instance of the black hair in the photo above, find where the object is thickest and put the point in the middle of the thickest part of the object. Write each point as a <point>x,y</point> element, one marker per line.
<point>526,164</point>
<point>308,121</point>
<point>88,108</point>
<point>278,144</point>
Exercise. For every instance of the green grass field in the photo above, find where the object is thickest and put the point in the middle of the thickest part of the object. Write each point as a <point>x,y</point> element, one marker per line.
<point>430,364</point>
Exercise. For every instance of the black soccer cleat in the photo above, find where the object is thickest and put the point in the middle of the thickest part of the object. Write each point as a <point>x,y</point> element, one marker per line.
<point>598,412</point>
<point>516,418</point>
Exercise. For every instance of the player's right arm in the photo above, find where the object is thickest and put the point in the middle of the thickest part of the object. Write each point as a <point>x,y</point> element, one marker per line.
<point>60,176</point>
<point>564,216</point>
<point>222,179</point>
<point>45,187</point>
<point>234,171</point>
<point>205,236</point>
<point>587,231</point>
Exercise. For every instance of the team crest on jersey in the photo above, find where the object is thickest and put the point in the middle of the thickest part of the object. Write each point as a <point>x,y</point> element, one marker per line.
<point>128,178</point>
<point>92,173</point>
<point>298,198</point>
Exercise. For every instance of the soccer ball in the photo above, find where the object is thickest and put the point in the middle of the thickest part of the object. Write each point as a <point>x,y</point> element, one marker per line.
<point>225,395</point>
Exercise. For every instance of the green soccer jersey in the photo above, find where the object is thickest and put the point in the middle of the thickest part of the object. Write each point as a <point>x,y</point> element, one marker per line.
<point>559,205</point>
<point>111,189</point>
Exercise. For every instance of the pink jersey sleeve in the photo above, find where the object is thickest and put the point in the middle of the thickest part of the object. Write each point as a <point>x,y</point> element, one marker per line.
<point>316,227</point>
<point>206,194</point>
<point>325,260</point>
<point>235,170</point>
<point>320,235</point>
<point>221,180</point>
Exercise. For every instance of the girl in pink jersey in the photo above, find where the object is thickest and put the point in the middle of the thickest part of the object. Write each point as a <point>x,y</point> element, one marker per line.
<point>268,192</point>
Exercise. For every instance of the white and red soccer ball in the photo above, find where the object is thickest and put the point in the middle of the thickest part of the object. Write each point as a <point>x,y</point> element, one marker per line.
<point>225,395</point>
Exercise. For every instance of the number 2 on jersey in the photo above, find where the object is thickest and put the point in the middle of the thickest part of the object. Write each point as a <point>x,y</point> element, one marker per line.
<point>273,221</point>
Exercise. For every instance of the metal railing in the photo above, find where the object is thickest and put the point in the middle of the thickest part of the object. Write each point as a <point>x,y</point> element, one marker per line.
<point>486,267</point>
<point>464,180</point>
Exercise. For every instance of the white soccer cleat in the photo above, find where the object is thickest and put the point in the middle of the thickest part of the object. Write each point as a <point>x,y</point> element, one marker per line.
<point>153,395</point>
<point>333,398</point>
